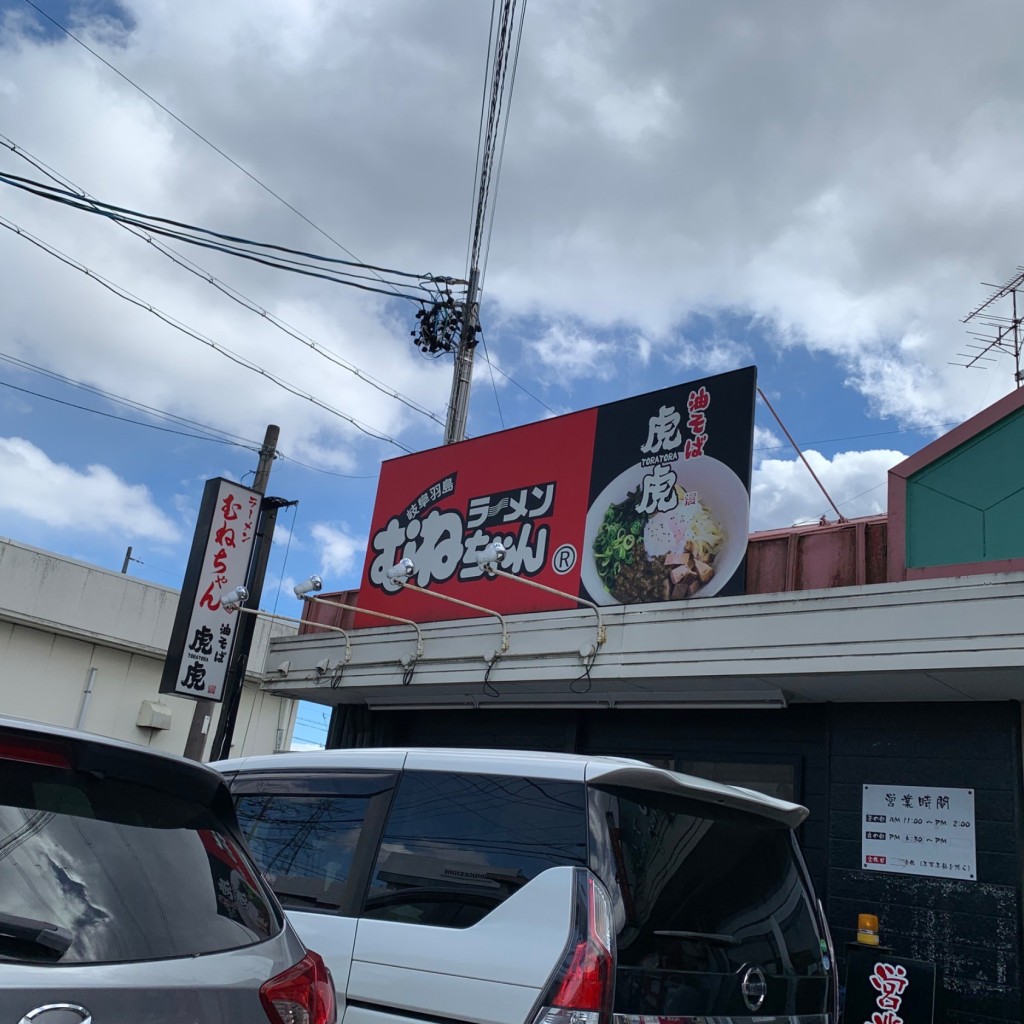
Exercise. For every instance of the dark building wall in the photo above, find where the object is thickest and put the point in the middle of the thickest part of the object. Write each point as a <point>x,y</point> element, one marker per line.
<point>971,930</point>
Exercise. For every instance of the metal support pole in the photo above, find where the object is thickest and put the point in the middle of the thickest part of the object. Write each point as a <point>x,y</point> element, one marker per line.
<point>458,403</point>
<point>246,627</point>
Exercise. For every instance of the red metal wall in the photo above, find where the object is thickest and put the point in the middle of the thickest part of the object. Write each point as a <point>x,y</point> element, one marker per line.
<point>814,557</point>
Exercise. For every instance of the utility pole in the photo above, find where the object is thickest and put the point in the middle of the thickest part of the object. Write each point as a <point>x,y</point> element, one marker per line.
<point>202,715</point>
<point>462,378</point>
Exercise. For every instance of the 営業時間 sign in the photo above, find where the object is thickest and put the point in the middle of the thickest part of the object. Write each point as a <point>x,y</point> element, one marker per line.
<point>919,830</point>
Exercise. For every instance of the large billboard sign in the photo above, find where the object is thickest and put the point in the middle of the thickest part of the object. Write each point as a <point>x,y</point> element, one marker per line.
<point>203,633</point>
<point>642,500</point>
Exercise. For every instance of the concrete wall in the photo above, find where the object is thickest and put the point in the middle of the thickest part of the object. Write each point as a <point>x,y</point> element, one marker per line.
<point>60,618</point>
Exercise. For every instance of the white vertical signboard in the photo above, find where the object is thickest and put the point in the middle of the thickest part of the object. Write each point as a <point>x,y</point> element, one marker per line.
<point>919,830</point>
<point>204,631</point>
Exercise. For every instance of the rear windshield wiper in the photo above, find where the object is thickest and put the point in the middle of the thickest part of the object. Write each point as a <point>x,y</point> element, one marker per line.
<point>45,937</point>
<point>711,938</point>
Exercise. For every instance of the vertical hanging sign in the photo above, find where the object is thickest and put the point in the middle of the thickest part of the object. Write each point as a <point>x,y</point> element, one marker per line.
<point>204,631</point>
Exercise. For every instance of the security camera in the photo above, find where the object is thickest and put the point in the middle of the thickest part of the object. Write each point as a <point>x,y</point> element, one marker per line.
<point>310,586</point>
<point>402,570</point>
<point>235,599</point>
<point>491,557</point>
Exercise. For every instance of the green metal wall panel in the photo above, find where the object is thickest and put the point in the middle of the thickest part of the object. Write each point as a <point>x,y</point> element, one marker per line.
<point>968,505</point>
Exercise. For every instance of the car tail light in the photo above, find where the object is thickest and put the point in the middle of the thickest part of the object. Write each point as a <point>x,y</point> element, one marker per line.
<point>304,994</point>
<point>32,750</point>
<point>581,989</point>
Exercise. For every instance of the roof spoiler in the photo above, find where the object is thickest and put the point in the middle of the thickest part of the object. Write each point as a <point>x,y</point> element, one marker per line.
<point>736,797</point>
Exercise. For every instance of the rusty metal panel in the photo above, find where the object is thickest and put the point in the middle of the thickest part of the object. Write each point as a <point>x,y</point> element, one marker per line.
<point>314,612</point>
<point>817,557</point>
<point>827,559</point>
<point>767,558</point>
<point>877,550</point>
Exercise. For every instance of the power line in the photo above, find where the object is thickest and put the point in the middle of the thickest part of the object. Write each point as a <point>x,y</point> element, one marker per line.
<point>326,268</point>
<point>190,332</point>
<point>856,437</point>
<point>488,150</point>
<point>494,386</point>
<point>230,292</point>
<point>504,134</point>
<point>130,403</point>
<point>253,446</point>
<point>127,419</point>
<point>266,188</point>
<point>512,380</point>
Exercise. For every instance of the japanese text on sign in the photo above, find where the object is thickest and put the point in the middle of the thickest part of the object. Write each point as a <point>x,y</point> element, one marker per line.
<point>660,451</point>
<point>226,546</point>
<point>890,982</point>
<point>446,541</point>
<point>917,830</point>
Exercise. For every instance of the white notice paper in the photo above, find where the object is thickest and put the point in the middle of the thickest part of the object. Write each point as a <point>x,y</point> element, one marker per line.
<point>919,830</point>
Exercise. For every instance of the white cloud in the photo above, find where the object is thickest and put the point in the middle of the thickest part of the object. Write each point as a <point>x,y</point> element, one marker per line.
<point>573,354</point>
<point>341,551</point>
<point>713,356</point>
<point>93,500</point>
<point>838,176</point>
<point>765,441</point>
<point>783,492</point>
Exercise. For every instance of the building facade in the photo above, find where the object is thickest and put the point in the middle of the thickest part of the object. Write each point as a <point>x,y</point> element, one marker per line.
<point>873,671</point>
<point>83,646</point>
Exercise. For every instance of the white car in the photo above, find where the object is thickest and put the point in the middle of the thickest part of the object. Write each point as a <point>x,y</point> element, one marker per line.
<point>512,887</point>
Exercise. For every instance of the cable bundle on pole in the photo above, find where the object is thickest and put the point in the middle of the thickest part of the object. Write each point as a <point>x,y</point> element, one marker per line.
<point>505,40</point>
<point>279,257</point>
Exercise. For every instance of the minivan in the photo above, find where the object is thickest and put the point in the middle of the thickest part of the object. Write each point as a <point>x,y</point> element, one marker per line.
<point>512,887</point>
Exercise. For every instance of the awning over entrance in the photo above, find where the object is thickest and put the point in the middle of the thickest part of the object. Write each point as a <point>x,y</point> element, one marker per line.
<point>930,640</point>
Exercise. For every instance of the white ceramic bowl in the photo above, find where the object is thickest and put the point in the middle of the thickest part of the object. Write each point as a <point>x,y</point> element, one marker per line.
<point>717,486</point>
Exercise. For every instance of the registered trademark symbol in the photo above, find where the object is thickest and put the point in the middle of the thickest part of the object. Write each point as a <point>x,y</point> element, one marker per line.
<point>563,560</point>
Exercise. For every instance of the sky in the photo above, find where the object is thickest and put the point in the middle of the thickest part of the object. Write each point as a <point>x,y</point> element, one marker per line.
<point>686,188</point>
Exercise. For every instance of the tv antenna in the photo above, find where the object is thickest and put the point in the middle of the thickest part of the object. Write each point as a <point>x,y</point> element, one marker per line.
<point>998,335</point>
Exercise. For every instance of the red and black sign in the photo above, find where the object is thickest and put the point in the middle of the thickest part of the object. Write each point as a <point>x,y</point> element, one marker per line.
<point>646,499</point>
<point>882,989</point>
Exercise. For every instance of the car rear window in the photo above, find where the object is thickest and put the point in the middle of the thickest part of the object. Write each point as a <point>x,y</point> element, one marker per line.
<point>457,845</point>
<point>114,871</point>
<point>704,893</point>
<point>304,844</point>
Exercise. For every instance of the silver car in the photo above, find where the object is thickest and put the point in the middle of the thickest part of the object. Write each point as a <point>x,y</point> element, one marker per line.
<point>127,894</point>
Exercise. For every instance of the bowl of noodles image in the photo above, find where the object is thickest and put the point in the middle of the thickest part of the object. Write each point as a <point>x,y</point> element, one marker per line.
<point>690,550</point>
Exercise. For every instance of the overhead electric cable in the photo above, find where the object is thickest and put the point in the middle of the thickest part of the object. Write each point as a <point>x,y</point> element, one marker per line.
<point>184,329</point>
<point>501,148</point>
<point>857,437</point>
<point>129,402</point>
<point>324,267</point>
<point>494,385</point>
<point>232,293</point>
<point>266,188</point>
<point>512,380</point>
<point>243,443</point>
<point>498,55</point>
<point>127,419</point>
